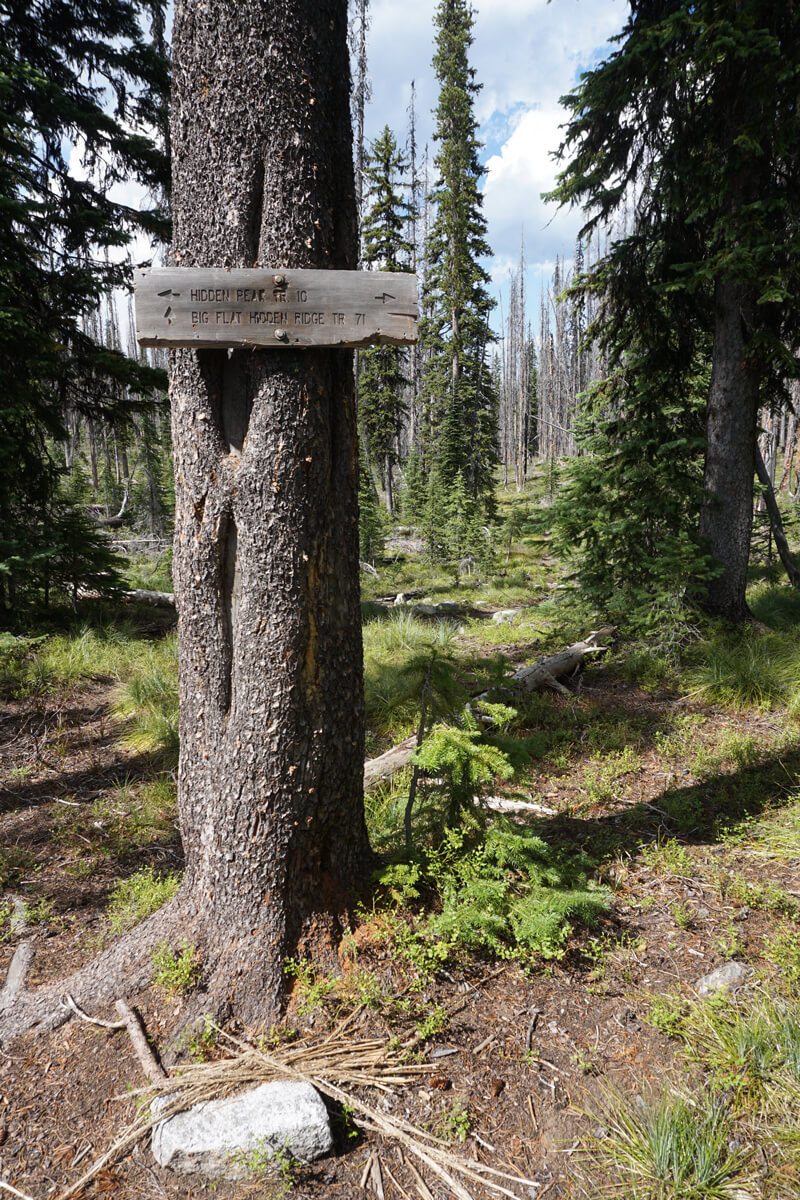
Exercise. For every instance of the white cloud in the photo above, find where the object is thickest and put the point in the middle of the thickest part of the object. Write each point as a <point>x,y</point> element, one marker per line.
<point>515,179</point>
<point>526,55</point>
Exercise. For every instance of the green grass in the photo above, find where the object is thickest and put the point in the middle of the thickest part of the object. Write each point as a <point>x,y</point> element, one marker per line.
<point>178,971</point>
<point>747,670</point>
<point>135,898</point>
<point>147,700</point>
<point>750,1047</point>
<point>670,1147</point>
<point>778,607</point>
<point>45,664</point>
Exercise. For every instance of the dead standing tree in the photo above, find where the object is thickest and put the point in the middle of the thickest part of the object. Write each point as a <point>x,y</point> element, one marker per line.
<point>266,542</point>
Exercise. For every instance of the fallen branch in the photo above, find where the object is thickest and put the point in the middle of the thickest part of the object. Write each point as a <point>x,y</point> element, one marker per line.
<point>17,974</point>
<point>8,1188</point>
<point>69,1002</point>
<point>152,1068</point>
<point>338,1067</point>
<point>550,670</point>
<point>133,596</point>
<point>376,769</point>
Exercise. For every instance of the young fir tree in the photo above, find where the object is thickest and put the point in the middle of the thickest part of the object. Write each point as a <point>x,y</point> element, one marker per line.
<point>460,420</point>
<point>696,111</point>
<point>385,247</point>
<point>79,75</point>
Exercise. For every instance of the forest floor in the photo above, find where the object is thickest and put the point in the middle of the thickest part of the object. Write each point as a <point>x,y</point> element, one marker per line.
<point>689,814</point>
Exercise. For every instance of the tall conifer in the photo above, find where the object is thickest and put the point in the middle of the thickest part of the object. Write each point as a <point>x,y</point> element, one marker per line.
<point>461,417</point>
<point>696,112</point>
<point>385,247</point>
<point>82,75</point>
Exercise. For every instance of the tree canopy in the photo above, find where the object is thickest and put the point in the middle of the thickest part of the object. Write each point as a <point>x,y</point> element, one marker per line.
<point>690,129</point>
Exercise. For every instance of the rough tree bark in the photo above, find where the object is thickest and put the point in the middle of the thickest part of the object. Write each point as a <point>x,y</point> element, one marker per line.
<point>726,516</point>
<point>266,541</point>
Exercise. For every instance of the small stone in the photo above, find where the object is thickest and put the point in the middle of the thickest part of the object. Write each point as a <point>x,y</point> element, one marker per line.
<point>215,1138</point>
<point>702,913</point>
<point>505,616</point>
<point>726,978</point>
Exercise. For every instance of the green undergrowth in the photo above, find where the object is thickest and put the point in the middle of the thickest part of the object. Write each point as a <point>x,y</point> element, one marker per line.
<point>147,701</point>
<point>137,897</point>
<point>401,652</point>
<point>669,1146</point>
<point>124,819</point>
<point>497,891</point>
<point>43,664</point>
<point>152,574</point>
<point>723,1121</point>
<point>177,970</point>
<point>747,670</point>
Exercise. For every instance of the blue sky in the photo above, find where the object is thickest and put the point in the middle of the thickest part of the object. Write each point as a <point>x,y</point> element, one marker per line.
<point>526,54</point>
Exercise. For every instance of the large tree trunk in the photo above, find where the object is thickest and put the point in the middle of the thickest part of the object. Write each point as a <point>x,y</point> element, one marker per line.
<point>726,516</point>
<point>266,540</point>
<point>266,531</point>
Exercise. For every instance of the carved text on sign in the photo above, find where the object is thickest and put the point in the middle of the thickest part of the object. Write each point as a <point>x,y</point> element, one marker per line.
<point>257,307</point>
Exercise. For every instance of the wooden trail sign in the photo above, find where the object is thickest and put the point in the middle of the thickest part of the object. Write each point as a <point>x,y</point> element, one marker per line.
<point>201,308</point>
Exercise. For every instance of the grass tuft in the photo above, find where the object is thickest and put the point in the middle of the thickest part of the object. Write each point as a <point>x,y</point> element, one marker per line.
<point>751,670</point>
<point>148,701</point>
<point>670,1148</point>
<point>136,898</point>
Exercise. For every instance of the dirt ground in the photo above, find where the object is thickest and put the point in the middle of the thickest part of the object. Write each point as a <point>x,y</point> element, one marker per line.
<point>526,1056</point>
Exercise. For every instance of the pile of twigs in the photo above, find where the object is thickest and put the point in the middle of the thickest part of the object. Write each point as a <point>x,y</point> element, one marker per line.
<point>335,1066</point>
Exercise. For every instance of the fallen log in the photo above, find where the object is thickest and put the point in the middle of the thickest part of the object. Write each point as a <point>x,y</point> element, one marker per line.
<point>376,769</point>
<point>547,672</point>
<point>550,670</point>
<point>156,599</point>
<point>133,596</point>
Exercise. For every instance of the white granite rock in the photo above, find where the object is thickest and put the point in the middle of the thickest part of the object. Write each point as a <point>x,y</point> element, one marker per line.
<point>216,1138</point>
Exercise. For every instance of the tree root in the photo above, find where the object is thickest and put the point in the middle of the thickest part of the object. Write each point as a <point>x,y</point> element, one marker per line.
<point>122,970</point>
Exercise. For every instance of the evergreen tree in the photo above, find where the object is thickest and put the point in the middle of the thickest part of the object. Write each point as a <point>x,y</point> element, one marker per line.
<point>385,247</point>
<point>461,406</point>
<point>696,112</point>
<point>62,68</point>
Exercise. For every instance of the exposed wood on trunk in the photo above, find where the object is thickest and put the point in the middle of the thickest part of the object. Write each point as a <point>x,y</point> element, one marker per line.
<point>776,523</point>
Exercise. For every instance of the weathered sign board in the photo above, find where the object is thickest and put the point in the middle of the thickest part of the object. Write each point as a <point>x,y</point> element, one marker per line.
<point>201,308</point>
